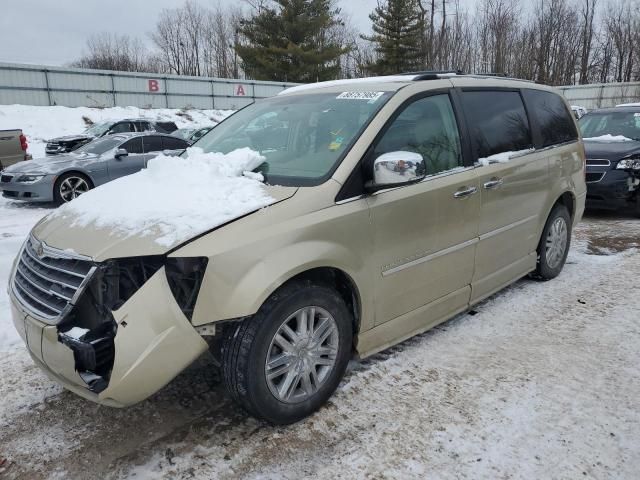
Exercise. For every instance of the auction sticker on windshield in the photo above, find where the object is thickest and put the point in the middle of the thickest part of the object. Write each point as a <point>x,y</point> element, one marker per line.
<point>371,96</point>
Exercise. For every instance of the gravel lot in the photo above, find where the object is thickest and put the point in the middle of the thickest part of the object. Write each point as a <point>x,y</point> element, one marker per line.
<point>540,381</point>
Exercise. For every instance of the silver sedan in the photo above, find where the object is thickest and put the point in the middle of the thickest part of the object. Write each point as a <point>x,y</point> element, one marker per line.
<point>63,178</point>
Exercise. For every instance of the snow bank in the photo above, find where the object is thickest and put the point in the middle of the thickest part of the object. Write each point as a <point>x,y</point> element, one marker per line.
<point>40,123</point>
<point>609,138</point>
<point>175,198</point>
<point>503,157</point>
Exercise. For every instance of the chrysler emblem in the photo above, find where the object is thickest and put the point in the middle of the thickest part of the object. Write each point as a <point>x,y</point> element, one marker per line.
<point>40,250</point>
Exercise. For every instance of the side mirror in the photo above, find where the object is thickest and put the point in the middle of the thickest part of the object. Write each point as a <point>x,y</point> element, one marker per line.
<point>121,152</point>
<point>398,168</point>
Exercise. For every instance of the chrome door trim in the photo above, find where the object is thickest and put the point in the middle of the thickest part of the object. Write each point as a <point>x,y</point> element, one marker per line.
<point>428,258</point>
<point>500,230</point>
<point>429,178</point>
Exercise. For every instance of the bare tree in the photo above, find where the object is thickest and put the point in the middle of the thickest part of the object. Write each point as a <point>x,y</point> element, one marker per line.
<point>107,51</point>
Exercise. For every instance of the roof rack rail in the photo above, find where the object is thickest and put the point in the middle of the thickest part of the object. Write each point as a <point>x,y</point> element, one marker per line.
<point>432,74</point>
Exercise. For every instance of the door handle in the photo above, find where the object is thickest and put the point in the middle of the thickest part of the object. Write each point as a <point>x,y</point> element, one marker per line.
<point>495,182</point>
<point>465,192</point>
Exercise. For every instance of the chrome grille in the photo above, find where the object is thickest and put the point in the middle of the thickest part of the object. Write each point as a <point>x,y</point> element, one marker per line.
<point>48,281</point>
<point>598,162</point>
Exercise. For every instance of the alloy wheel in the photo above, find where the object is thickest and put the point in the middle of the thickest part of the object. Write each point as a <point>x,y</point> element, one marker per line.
<point>73,187</point>
<point>556,242</point>
<point>302,354</point>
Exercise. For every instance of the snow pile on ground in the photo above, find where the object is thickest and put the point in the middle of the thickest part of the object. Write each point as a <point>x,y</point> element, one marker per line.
<point>503,157</point>
<point>609,138</point>
<point>175,198</point>
<point>41,123</point>
<point>16,220</point>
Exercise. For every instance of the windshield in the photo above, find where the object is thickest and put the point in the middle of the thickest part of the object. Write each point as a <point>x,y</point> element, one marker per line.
<point>626,124</point>
<point>98,129</point>
<point>184,133</point>
<point>303,137</point>
<point>100,145</point>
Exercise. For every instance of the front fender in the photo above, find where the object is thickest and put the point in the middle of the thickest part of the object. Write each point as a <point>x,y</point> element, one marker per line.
<point>224,298</point>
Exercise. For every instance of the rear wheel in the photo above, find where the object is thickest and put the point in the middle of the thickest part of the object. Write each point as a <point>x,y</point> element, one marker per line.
<point>70,186</point>
<point>283,363</point>
<point>554,244</point>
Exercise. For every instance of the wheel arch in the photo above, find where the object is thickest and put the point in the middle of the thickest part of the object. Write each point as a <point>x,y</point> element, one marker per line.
<point>568,199</point>
<point>338,280</point>
<point>75,171</point>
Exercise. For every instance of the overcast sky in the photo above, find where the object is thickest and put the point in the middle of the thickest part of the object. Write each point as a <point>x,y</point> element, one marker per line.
<point>54,32</point>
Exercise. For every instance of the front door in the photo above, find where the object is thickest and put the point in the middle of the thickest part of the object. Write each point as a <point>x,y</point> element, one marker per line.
<point>425,234</point>
<point>131,163</point>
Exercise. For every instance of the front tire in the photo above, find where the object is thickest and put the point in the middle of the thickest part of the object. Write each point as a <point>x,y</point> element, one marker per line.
<point>554,244</point>
<point>69,186</point>
<point>283,363</point>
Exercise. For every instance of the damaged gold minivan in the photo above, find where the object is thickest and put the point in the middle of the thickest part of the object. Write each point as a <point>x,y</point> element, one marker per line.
<point>384,207</point>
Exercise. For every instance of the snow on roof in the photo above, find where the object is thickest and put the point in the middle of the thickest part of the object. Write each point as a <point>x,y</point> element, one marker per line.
<point>349,81</point>
<point>175,198</point>
<point>609,138</point>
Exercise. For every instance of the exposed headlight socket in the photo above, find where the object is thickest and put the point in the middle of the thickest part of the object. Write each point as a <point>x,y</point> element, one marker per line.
<point>185,277</point>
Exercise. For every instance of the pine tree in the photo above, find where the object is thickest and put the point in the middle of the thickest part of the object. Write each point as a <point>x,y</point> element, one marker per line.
<point>291,41</point>
<point>397,32</point>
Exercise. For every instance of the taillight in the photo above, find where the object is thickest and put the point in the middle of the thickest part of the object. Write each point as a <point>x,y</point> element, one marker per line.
<point>23,142</point>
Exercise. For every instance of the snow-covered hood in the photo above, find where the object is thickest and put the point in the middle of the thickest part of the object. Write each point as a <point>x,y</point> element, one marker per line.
<point>71,138</point>
<point>613,151</point>
<point>161,207</point>
<point>50,164</point>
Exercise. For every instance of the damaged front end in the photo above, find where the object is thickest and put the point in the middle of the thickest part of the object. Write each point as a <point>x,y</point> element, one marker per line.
<point>119,329</point>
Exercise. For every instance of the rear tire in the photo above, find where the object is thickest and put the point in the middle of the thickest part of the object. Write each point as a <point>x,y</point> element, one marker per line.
<point>554,244</point>
<point>69,186</point>
<point>276,371</point>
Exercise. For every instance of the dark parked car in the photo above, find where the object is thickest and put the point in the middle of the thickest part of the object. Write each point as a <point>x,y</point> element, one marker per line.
<point>612,144</point>
<point>67,176</point>
<point>69,143</point>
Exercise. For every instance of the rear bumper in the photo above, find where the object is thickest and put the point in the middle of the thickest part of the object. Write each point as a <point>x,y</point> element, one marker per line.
<point>41,191</point>
<point>154,342</point>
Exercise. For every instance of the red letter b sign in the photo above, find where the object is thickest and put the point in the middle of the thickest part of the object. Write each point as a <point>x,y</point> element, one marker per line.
<point>154,86</point>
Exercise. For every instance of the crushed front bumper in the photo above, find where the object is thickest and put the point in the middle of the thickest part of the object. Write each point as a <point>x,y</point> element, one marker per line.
<point>154,342</point>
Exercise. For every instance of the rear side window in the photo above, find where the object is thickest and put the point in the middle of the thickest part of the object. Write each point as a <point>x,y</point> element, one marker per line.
<point>143,126</point>
<point>497,122</point>
<point>553,124</point>
<point>123,127</point>
<point>169,143</point>
<point>152,144</point>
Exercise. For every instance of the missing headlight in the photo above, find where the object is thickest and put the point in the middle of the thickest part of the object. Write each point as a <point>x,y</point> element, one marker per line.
<point>125,276</point>
<point>185,278</point>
